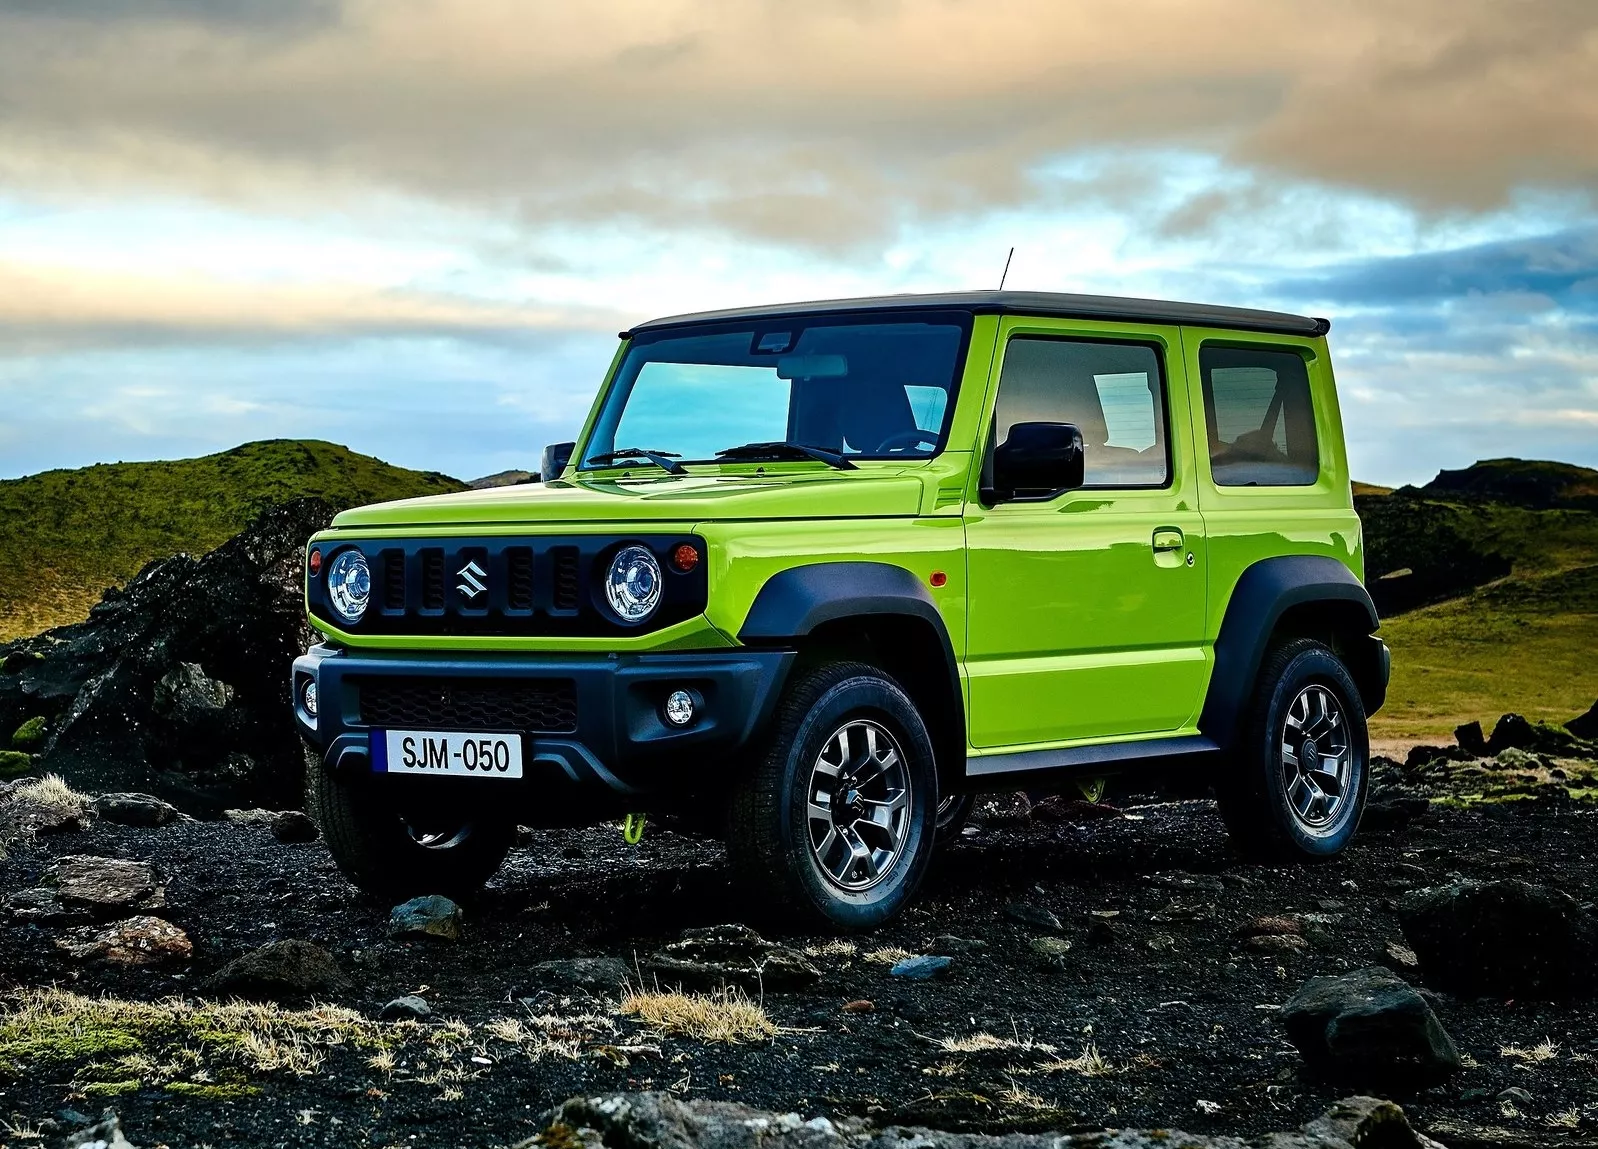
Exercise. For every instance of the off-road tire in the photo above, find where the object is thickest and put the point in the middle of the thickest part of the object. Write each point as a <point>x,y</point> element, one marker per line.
<point>769,841</point>
<point>954,810</point>
<point>1252,788</point>
<point>374,849</point>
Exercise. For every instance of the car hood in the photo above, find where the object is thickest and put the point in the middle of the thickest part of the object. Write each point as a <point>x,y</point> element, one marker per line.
<point>676,498</point>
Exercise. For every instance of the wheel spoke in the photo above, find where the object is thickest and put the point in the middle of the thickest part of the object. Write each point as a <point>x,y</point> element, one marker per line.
<point>895,801</point>
<point>858,805</point>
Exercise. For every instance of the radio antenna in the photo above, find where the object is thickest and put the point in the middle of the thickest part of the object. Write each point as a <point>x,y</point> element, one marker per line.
<point>1006,274</point>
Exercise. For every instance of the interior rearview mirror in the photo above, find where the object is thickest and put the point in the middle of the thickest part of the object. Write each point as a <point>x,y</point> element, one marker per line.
<point>1038,460</point>
<point>556,456</point>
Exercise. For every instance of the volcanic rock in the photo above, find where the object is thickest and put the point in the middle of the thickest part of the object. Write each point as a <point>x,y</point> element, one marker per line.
<point>596,975</point>
<point>1469,737</point>
<point>1502,939</point>
<point>715,956</point>
<point>133,810</point>
<point>407,1008</point>
<point>1586,725</point>
<point>105,887</point>
<point>286,971</point>
<point>663,1121</point>
<point>429,916</point>
<point>1369,1027</point>
<point>289,826</point>
<point>923,967</point>
<point>141,940</point>
<point>175,684</point>
<point>1036,916</point>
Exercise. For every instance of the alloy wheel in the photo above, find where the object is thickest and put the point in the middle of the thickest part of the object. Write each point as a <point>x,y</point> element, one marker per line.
<point>1317,761</point>
<point>858,805</point>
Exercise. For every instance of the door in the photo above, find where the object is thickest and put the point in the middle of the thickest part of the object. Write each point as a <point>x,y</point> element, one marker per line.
<point>1086,610</point>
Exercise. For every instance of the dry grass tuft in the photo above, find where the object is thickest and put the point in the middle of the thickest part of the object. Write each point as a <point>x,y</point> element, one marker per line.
<point>728,1016</point>
<point>1089,1063</point>
<point>835,947</point>
<point>51,792</point>
<point>888,955</point>
<point>990,1043</point>
<point>1023,1098</point>
<point>551,1035</point>
<point>1544,1050</point>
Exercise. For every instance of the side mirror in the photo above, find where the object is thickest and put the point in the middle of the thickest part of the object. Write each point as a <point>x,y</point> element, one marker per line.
<point>556,456</point>
<point>1038,460</point>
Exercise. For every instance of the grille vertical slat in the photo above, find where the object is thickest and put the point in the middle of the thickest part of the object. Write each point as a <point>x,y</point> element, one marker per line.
<point>519,578</point>
<point>393,580</point>
<point>432,579</point>
<point>565,596</point>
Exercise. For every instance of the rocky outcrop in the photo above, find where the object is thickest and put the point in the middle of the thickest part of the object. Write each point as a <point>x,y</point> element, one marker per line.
<point>141,940</point>
<point>661,1121</point>
<point>1502,939</point>
<point>1369,1028</point>
<point>717,956</point>
<point>177,683</point>
<point>287,971</point>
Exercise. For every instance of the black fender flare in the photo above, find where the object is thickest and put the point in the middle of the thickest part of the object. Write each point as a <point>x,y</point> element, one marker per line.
<point>794,602</point>
<point>1265,592</point>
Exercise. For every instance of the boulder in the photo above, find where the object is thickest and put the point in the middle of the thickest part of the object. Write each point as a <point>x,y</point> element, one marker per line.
<point>286,971</point>
<point>1033,915</point>
<point>289,826</point>
<point>923,967</point>
<point>106,1133</point>
<point>141,940</point>
<point>1369,1027</point>
<point>1514,732</point>
<point>134,809</point>
<point>429,916</point>
<point>714,956</point>
<point>596,975</point>
<point>174,685</point>
<point>105,887</point>
<point>1502,939</point>
<point>407,1008</point>
<point>664,1121</point>
<point>1468,737</point>
<point>1585,725</point>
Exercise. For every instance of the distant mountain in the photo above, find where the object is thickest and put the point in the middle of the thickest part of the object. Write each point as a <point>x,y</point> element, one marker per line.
<point>67,535</point>
<point>1520,482</point>
<point>503,479</point>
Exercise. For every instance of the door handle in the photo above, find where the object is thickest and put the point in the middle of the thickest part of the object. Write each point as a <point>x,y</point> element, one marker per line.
<point>1168,539</point>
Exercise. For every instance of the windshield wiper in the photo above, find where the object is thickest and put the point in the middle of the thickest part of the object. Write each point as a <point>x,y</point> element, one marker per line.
<point>753,451</point>
<point>665,460</point>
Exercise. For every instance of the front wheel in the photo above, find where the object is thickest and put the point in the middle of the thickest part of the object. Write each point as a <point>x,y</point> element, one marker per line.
<point>836,822</point>
<point>1298,786</point>
<point>389,853</point>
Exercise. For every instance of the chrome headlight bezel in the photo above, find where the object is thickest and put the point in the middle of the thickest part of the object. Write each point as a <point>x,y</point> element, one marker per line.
<point>349,586</point>
<point>634,584</point>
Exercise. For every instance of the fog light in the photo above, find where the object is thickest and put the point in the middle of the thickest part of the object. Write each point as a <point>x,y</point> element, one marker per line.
<point>679,708</point>
<point>309,695</point>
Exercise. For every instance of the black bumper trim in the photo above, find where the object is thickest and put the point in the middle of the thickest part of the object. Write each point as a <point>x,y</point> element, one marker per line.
<point>621,743</point>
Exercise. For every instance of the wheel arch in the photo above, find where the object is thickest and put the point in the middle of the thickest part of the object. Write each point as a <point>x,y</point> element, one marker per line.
<point>877,613</point>
<point>1291,596</point>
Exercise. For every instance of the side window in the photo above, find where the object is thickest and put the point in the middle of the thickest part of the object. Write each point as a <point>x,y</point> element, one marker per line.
<point>1113,392</point>
<point>1261,420</point>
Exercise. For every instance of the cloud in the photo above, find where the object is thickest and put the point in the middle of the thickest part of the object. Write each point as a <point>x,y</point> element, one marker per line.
<point>833,124</point>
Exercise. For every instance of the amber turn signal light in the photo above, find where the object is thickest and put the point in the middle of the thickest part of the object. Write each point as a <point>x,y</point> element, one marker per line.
<point>685,558</point>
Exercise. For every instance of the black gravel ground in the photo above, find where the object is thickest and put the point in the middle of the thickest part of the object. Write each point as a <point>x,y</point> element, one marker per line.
<point>1158,980</point>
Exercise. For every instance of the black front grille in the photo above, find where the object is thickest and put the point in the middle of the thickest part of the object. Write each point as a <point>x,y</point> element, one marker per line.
<point>394,580</point>
<point>566,583</point>
<point>432,579</point>
<point>519,578</point>
<point>536,705</point>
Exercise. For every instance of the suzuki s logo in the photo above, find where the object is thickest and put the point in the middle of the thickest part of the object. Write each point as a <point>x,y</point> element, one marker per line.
<point>473,580</point>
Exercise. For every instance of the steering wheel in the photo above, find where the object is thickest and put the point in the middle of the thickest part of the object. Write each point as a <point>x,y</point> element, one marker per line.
<point>904,440</point>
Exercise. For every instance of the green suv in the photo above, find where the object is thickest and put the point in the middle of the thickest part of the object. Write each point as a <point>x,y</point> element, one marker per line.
<point>816,574</point>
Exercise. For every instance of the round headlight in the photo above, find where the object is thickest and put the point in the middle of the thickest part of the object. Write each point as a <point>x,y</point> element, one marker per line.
<point>633,585</point>
<point>349,585</point>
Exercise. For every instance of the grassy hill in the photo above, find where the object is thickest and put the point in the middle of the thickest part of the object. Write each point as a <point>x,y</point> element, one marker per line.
<point>67,535</point>
<point>1488,582</point>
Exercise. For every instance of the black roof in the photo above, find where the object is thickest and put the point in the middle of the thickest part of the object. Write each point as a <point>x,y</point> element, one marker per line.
<point>1023,303</point>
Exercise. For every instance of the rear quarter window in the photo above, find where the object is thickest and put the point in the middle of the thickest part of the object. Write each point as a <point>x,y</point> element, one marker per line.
<point>1260,416</point>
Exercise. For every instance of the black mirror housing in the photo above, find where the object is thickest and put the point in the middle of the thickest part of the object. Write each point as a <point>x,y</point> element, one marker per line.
<point>1038,460</point>
<point>556,456</point>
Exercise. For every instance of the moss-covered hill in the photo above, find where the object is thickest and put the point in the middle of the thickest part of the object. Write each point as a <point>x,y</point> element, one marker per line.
<point>67,535</point>
<point>1487,580</point>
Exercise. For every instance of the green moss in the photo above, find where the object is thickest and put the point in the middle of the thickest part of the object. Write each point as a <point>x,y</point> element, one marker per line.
<point>111,1088</point>
<point>212,1090</point>
<point>14,763</point>
<point>96,526</point>
<point>29,734</point>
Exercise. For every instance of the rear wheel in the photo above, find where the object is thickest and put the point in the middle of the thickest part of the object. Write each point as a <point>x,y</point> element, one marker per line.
<point>392,853</point>
<point>836,823</point>
<point>1298,787</point>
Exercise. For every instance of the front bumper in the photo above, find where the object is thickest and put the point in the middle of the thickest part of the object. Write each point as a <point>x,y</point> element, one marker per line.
<point>618,752</point>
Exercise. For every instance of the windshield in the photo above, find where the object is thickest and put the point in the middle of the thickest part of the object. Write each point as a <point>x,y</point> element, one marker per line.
<point>861,387</point>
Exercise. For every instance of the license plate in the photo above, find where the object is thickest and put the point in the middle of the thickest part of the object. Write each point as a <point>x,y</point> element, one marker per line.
<point>443,752</point>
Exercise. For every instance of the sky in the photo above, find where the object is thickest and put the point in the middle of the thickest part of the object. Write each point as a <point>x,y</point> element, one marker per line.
<point>415,226</point>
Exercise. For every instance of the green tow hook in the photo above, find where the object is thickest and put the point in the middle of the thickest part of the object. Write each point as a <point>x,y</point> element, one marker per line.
<point>632,828</point>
